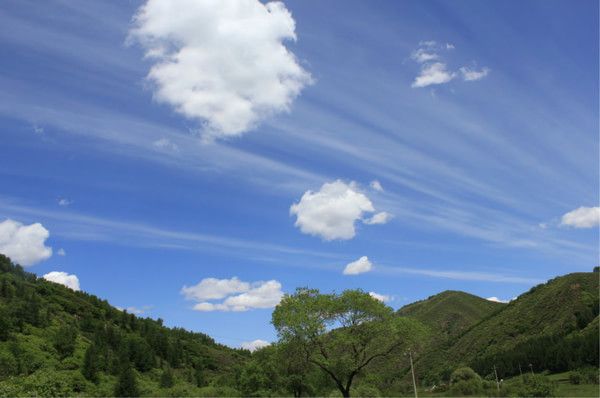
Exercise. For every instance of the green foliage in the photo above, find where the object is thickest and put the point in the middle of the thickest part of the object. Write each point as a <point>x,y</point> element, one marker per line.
<point>64,340</point>
<point>166,379</point>
<point>91,363</point>
<point>451,312</point>
<point>127,384</point>
<point>342,334</point>
<point>58,342</point>
<point>535,386</point>
<point>464,381</point>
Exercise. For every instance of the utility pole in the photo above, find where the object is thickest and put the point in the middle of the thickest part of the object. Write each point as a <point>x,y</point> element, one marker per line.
<point>412,370</point>
<point>497,382</point>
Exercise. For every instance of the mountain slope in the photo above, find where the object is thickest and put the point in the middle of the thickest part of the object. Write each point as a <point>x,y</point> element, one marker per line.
<point>450,312</point>
<point>58,342</point>
<point>552,327</point>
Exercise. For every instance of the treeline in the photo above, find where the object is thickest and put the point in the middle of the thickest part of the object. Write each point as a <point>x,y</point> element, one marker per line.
<point>556,353</point>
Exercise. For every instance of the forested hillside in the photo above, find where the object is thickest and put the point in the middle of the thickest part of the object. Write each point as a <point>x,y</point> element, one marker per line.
<point>554,326</point>
<point>58,342</point>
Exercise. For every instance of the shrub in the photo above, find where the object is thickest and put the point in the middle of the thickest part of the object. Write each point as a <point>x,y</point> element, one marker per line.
<point>464,381</point>
<point>536,386</point>
<point>575,377</point>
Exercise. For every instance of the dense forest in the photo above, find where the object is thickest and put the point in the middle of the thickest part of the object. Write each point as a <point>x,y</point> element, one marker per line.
<point>58,342</point>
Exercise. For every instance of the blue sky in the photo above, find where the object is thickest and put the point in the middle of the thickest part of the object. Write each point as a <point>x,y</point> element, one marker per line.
<point>487,166</point>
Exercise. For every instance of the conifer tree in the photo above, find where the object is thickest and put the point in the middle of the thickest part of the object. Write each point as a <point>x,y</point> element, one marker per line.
<point>127,383</point>
<point>90,364</point>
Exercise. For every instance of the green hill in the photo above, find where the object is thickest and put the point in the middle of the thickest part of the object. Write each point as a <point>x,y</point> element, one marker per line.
<point>58,342</point>
<point>554,326</point>
<point>451,312</point>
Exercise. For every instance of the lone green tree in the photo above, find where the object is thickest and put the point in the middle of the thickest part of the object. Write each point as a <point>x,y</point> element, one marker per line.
<point>342,333</point>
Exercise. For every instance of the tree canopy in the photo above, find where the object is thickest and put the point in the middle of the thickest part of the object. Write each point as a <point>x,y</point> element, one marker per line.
<point>342,334</point>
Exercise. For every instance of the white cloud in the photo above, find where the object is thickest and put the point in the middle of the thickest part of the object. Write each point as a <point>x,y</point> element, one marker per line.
<point>497,300</point>
<point>469,74</point>
<point>583,217</point>
<point>381,297</point>
<point>434,69</point>
<point>435,73</point>
<point>379,218</point>
<point>376,185</point>
<point>69,280</point>
<point>24,244</point>
<point>237,295</point>
<point>61,252</point>
<point>254,345</point>
<point>165,144</point>
<point>359,266</point>
<point>222,62</point>
<point>212,288</point>
<point>422,55</point>
<point>332,211</point>
<point>135,310</point>
<point>37,129</point>
<point>64,202</point>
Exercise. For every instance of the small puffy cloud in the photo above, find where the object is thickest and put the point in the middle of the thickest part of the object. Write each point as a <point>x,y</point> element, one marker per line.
<point>469,74</point>
<point>434,69</point>
<point>24,244</point>
<point>165,144</point>
<point>359,266</point>
<point>61,252</point>
<point>381,297</point>
<point>64,202</point>
<point>234,295</point>
<point>254,345</point>
<point>376,185</point>
<point>431,74</point>
<point>221,62</point>
<point>583,217</point>
<point>212,288</point>
<point>38,129</point>
<point>62,278</point>
<point>332,211</point>
<point>379,218</point>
